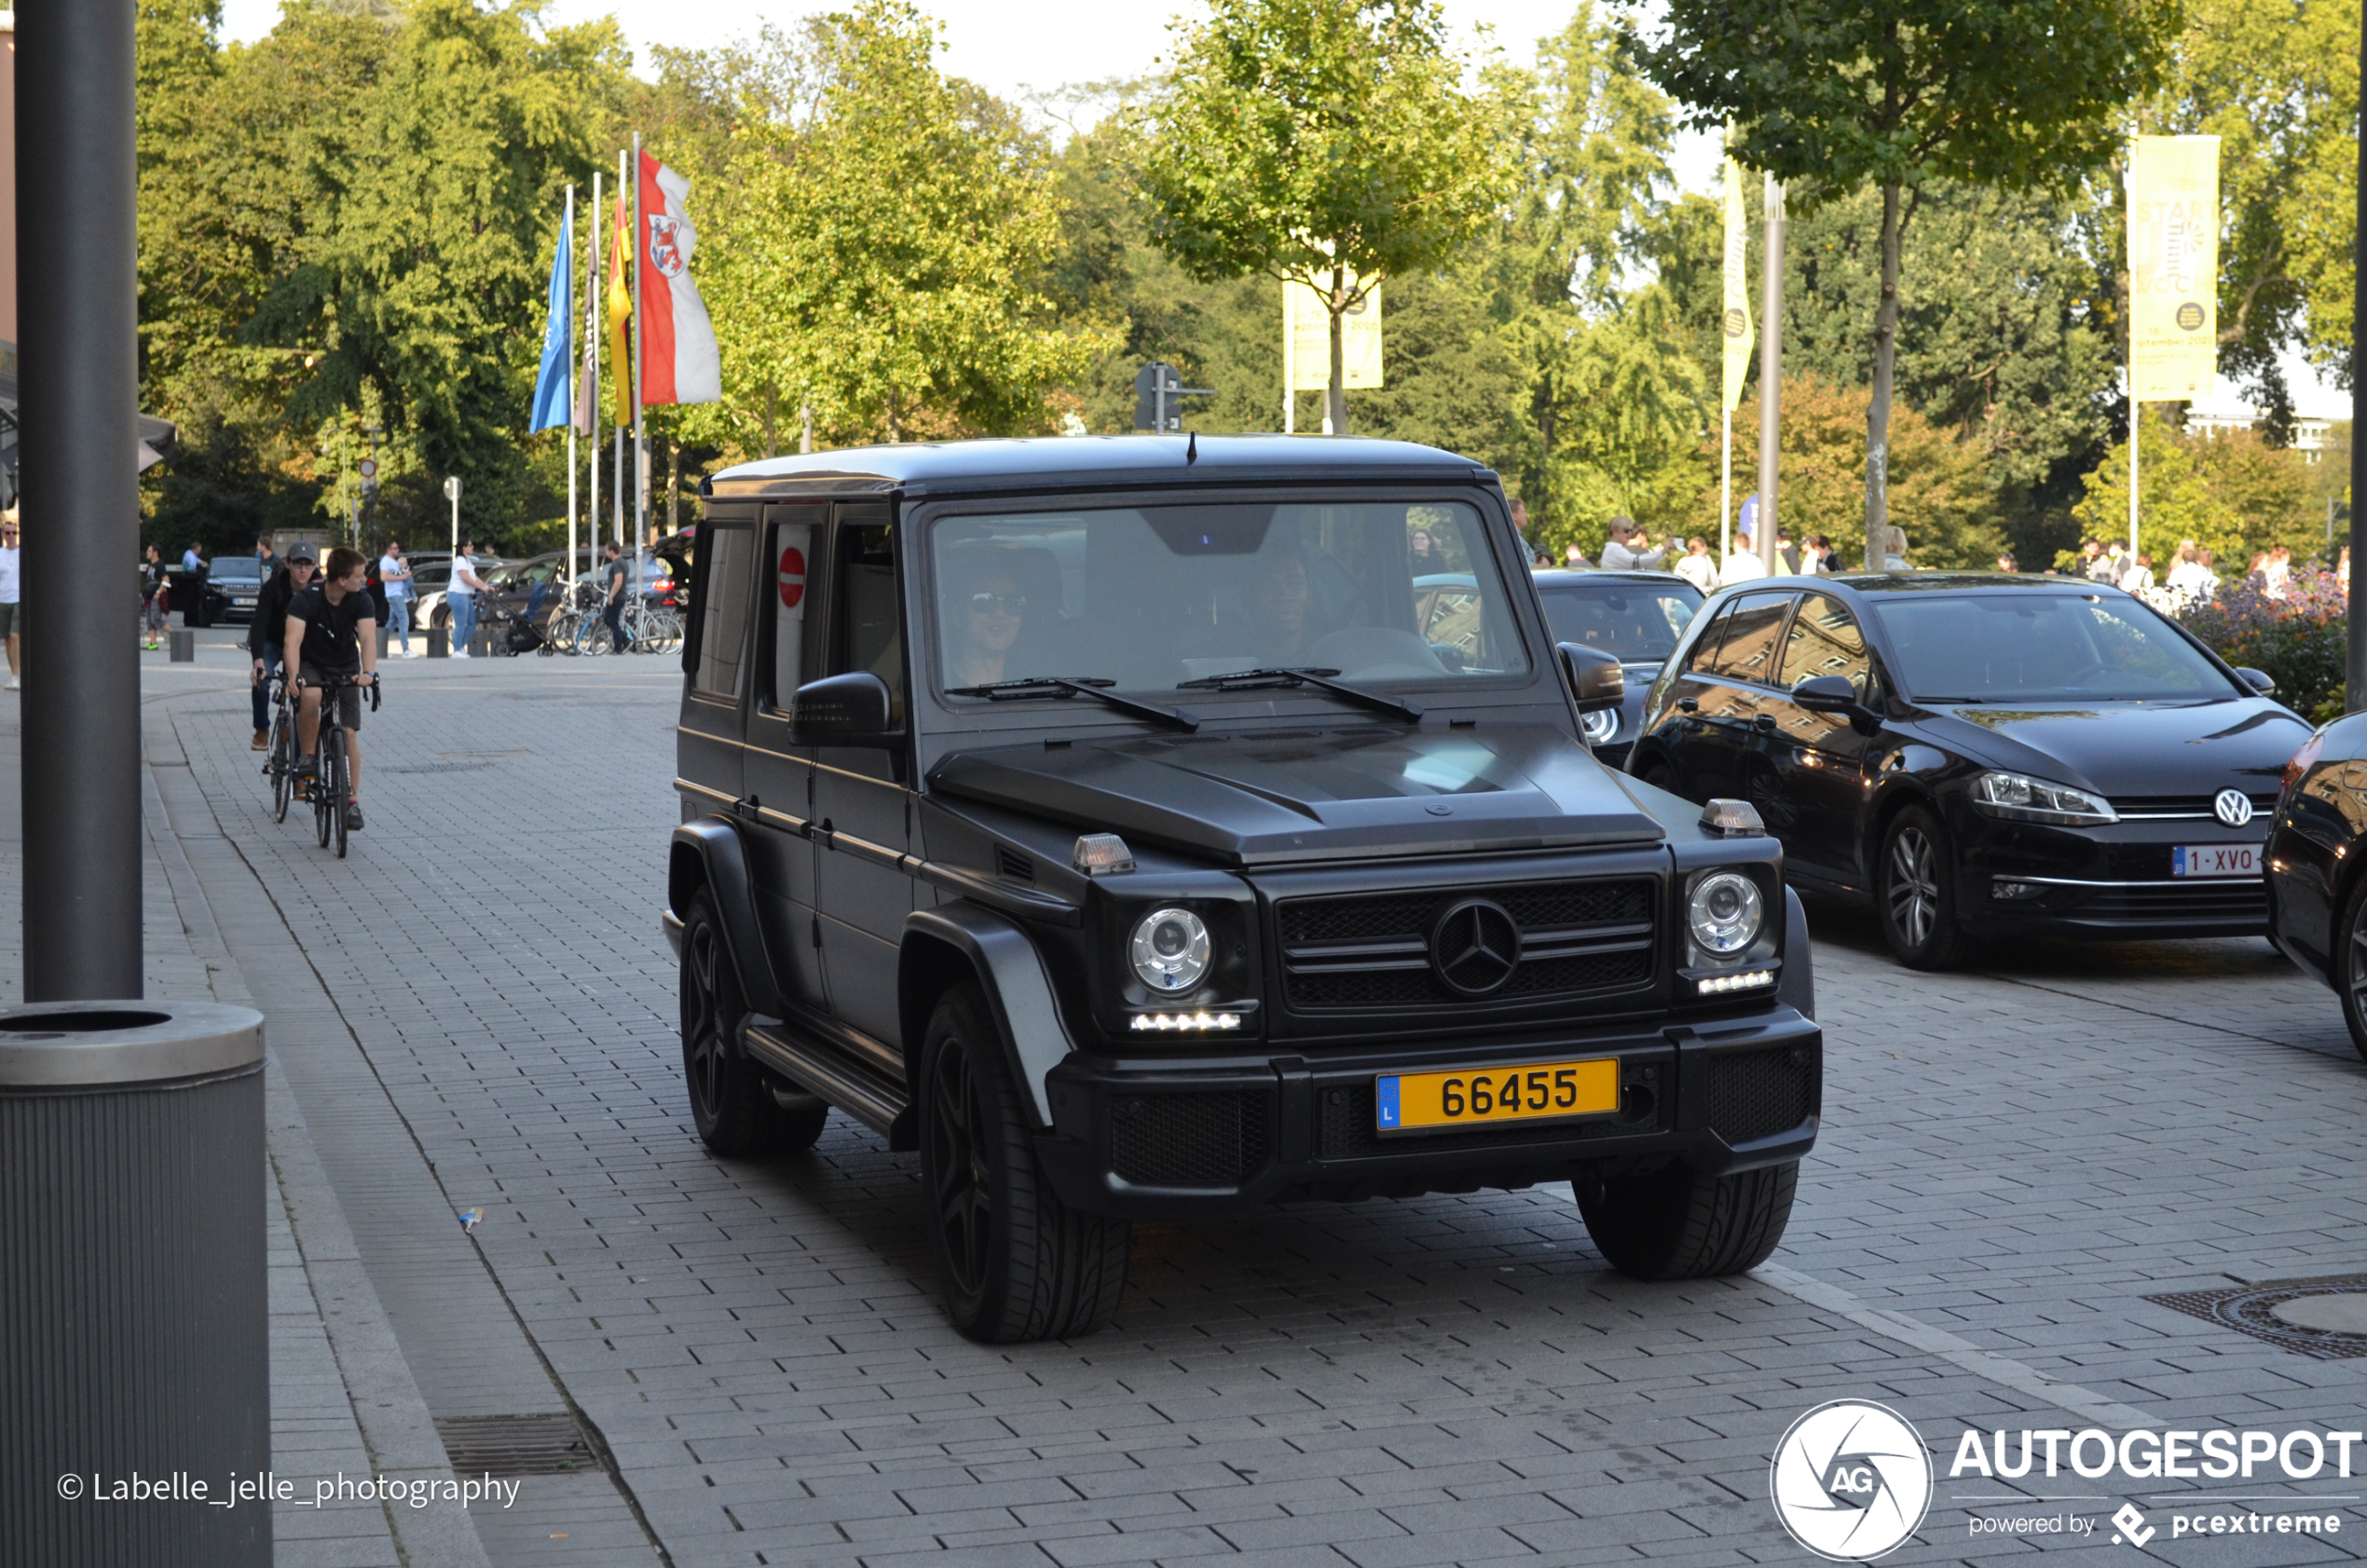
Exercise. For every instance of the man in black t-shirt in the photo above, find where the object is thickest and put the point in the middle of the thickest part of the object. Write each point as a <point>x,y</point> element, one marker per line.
<point>322,639</point>
<point>612,615</point>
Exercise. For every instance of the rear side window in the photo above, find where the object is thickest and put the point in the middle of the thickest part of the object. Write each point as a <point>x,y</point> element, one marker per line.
<point>1748,651</point>
<point>868,631</point>
<point>1704,652</point>
<point>788,555</point>
<point>723,611</point>
<point>1827,640</point>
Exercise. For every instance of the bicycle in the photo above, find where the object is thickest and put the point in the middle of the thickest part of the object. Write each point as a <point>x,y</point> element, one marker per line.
<point>333,773</point>
<point>279,757</point>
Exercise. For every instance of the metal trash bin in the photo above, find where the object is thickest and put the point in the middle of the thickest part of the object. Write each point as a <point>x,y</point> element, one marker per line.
<point>439,642</point>
<point>183,644</point>
<point>136,1389</point>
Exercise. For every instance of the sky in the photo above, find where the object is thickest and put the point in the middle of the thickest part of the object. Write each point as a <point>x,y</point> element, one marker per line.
<point>1009,45</point>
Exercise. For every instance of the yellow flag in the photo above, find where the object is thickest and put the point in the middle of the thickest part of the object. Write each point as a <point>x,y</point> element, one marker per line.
<point>2173,267</point>
<point>1306,325</point>
<point>1737,315</point>
<point>619,314</point>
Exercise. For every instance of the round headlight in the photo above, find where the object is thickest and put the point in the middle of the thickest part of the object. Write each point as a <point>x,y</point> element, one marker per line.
<point>1600,725</point>
<point>1725,912</point>
<point>1171,950</point>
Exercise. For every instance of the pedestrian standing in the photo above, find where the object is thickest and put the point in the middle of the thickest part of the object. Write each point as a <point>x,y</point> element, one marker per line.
<point>612,616</point>
<point>1743,564</point>
<point>1696,565</point>
<point>1895,551</point>
<point>1630,548</point>
<point>189,559</point>
<point>11,586</point>
<point>462,595</point>
<point>2140,575</point>
<point>394,576</point>
<point>266,560</point>
<point>264,643</point>
<point>152,597</point>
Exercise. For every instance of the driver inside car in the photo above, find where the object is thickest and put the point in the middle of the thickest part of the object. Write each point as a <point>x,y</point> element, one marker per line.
<point>987,611</point>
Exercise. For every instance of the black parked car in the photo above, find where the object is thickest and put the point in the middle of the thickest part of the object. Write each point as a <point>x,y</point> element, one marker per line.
<point>1116,822</point>
<point>1980,754</point>
<point>2317,891</point>
<point>1635,618</point>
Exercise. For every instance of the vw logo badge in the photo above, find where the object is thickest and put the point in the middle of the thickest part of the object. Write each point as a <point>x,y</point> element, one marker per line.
<point>1475,946</point>
<point>2232,807</point>
<point>1850,1480</point>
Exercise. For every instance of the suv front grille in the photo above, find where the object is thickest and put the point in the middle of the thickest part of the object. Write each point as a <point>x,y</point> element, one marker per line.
<point>1207,1139</point>
<point>1371,951</point>
<point>1757,1094</point>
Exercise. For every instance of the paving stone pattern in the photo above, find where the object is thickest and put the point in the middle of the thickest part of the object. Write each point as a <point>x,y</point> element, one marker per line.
<point>2012,1159</point>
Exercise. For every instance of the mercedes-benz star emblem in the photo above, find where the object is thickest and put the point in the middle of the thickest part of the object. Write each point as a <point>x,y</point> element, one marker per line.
<point>1475,946</point>
<point>2232,807</point>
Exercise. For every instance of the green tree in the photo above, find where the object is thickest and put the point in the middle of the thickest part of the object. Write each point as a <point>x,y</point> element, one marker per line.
<point>1896,93</point>
<point>2231,494</point>
<point>884,260</point>
<point>1321,143</point>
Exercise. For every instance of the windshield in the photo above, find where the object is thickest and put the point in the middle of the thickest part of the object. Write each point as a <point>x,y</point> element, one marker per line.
<point>236,565</point>
<point>1390,592</point>
<point>1634,622</point>
<point>2034,646</point>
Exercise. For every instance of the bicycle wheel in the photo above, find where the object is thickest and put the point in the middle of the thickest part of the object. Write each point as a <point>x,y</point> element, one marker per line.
<point>282,765</point>
<point>321,792</point>
<point>333,769</point>
<point>592,637</point>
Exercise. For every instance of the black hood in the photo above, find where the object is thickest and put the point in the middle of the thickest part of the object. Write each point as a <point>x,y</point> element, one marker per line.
<point>1255,799</point>
<point>2131,748</point>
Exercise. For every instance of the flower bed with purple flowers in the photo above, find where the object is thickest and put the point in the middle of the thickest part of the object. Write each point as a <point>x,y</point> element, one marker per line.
<point>2300,639</point>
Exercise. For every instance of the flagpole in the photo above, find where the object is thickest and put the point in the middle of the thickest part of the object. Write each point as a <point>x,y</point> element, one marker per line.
<point>592,351</point>
<point>1726,490</point>
<point>640,413</point>
<point>2136,411</point>
<point>569,231</point>
<point>621,372</point>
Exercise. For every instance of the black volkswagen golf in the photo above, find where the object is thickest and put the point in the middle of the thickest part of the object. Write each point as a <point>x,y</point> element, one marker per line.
<point>1980,755</point>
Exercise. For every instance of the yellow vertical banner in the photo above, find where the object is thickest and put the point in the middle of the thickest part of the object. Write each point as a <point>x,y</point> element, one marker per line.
<point>1306,325</point>
<point>2173,267</point>
<point>1736,319</point>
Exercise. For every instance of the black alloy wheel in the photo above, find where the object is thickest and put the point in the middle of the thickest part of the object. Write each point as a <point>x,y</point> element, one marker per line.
<point>733,1103</point>
<point>1915,892</point>
<point>2349,966</point>
<point>1017,1264</point>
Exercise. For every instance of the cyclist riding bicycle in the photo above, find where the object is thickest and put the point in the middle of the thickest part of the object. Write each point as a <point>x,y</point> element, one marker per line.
<point>322,640</point>
<point>263,636</point>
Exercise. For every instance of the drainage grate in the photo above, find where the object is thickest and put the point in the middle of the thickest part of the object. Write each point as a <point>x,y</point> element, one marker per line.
<point>2252,1309</point>
<point>515,1445</point>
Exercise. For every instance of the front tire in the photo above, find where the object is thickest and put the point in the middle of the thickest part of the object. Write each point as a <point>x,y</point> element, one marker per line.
<point>1676,1223</point>
<point>732,1103</point>
<point>1017,1264</point>
<point>2349,965</point>
<point>1915,893</point>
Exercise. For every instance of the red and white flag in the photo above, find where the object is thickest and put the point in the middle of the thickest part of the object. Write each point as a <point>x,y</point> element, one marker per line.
<point>680,362</point>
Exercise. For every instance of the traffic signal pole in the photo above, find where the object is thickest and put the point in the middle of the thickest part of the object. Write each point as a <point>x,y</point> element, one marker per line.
<point>78,403</point>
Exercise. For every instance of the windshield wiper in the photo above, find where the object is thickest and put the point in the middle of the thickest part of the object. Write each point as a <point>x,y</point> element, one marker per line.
<point>1076,685</point>
<point>1244,680</point>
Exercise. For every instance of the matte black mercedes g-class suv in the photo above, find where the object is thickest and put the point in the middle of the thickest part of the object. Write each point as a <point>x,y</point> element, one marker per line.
<point>1152,828</point>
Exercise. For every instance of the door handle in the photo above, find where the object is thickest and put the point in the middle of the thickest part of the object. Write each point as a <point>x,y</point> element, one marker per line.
<point>1764,722</point>
<point>1687,705</point>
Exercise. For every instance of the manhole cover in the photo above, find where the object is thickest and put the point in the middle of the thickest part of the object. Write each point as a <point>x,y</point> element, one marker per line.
<point>515,1445</point>
<point>2326,1318</point>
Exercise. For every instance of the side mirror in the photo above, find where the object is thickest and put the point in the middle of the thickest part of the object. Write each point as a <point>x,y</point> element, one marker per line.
<point>1832,694</point>
<point>1596,679</point>
<point>849,710</point>
<point>2259,680</point>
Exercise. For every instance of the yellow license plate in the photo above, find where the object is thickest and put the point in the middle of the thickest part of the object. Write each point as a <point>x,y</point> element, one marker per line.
<point>1493,1096</point>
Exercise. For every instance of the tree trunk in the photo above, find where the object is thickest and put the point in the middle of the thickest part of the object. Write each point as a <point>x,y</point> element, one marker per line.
<point>1877,410</point>
<point>772,404</point>
<point>805,432</point>
<point>1335,397</point>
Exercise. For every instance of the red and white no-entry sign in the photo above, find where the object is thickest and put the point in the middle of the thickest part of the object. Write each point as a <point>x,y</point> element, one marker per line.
<point>792,577</point>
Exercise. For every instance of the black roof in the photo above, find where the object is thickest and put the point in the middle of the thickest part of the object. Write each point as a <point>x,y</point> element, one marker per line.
<point>1873,583</point>
<point>1071,462</point>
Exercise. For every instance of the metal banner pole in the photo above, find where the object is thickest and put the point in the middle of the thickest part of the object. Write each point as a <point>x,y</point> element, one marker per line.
<point>2355,686</point>
<point>571,315</point>
<point>2136,418</point>
<point>77,297</point>
<point>640,413</point>
<point>621,371</point>
<point>1771,372</point>
<point>594,318</point>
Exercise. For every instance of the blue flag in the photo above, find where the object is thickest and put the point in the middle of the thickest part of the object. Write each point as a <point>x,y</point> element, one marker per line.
<point>552,402</point>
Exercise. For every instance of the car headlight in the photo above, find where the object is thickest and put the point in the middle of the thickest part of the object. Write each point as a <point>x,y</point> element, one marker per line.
<point>1726,913</point>
<point>1600,725</point>
<point>1171,950</point>
<point>2025,799</point>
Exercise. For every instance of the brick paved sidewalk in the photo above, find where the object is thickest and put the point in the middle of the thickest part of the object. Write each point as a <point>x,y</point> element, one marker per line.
<point>2013,1159</point>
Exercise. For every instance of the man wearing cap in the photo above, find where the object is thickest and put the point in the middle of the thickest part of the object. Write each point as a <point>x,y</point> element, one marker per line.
<point>270,611</point>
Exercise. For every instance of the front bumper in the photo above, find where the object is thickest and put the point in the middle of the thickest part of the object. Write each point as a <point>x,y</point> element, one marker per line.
<point>2110,882</point>
<point>1173,1137</point>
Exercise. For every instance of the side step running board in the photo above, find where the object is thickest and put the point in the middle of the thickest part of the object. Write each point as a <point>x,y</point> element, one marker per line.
<point>855,1087</point>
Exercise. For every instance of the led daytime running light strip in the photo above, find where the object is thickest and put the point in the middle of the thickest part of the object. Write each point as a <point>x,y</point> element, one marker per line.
<point>1717,983</point>
<point>1165,1022</point>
